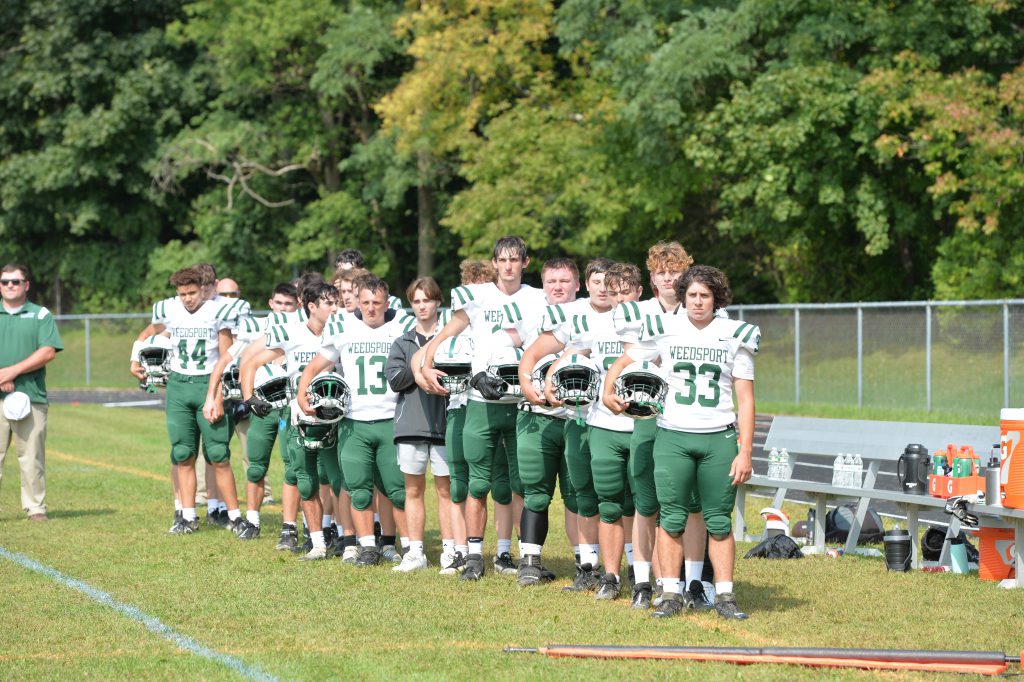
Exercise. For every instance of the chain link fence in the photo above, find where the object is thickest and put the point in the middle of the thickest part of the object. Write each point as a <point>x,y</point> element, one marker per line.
<point>961,356</point>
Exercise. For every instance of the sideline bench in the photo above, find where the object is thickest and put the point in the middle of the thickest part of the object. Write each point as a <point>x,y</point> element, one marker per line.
<point>879,443</point>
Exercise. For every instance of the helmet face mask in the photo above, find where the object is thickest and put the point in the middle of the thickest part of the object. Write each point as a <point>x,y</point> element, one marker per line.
<point>540,372</point>
<point>272,385</point>
<point>642,385</point>
<point>329,396</point>
<point>231,384</point>
<point>155,359</point>
<point>314,434</point>
<point>577,381</point>
<point>454,357</point>
<point>505,366</point>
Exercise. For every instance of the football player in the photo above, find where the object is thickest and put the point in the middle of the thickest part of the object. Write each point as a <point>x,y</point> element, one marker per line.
<point>702,446</point>
<point>490,415</point>
<point>360,344</point>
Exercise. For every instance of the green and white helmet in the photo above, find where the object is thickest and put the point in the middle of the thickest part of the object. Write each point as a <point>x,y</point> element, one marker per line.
<point>155,358</point>
<point>540,372</point>
<point>577,381</point>
<point>271,385</point>
<point>504,364</point>
<point>329,396</point>
<point>314,433</point>
<point>454,357</point>
<point>644,387</point>
<point>230,383</point>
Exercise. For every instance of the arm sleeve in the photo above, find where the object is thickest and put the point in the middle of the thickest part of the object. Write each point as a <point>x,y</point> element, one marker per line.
<point>743,365</point>
<point>397,370</point>
<point>47,334</point>
<point>642,351</point>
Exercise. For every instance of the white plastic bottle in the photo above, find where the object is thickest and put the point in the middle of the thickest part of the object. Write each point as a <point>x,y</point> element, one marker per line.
<point>858,471</point>
<point>784,471</point>
<point>773,463</point>
<point>837,470</point>
<point>848,471</point>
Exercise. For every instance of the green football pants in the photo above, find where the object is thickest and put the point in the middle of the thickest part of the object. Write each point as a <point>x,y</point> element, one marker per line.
<point>186,396</point>
<point>369,458</point>
<point>489,445</point>
<point>609,463</point>
<point>688,462</point>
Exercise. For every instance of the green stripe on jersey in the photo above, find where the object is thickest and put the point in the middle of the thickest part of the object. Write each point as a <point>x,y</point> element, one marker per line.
<point>457,293</point>
<point>410,323</point>
<point>661,327</point>
<point>749,334</point>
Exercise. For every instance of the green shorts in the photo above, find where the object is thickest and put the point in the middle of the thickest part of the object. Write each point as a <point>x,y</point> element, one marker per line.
<point>609,462</point>
<point>489,445</point>
<point>186,396</point>
<point>541,443</point>
<point>369,458</point>
<point>685,463</point>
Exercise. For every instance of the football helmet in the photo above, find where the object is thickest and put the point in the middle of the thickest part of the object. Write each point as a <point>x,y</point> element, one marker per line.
<point>314,433</point>
<point>540,372</point>
<point>329,396</point>
<point>230,384</point>
<point>577,381</point>
<point>271,385</point>
<point>155,357</point>
<point>643,386</point>
<point>504,365</point>
<point>454,357</point>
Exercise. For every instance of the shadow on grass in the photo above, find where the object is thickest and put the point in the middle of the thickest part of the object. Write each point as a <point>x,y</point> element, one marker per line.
<point>768,598</point>
<point>59,514</point>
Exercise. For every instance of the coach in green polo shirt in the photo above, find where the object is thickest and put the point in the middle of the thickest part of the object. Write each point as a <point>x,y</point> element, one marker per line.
<point>28,340</point>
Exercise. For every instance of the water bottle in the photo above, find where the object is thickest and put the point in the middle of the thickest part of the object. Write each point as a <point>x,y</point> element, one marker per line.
<point>848,471</point>
<point>773,463</point>
<point>784,471</point>
<point>837,470</point>
<point>811,514</point>
<point>858,471</point>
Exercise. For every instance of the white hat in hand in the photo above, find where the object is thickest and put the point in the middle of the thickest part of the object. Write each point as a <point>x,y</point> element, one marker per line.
<point>16,406</point>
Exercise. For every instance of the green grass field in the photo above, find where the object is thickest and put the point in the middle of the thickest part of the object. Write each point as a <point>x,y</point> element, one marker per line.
<point>110,506</point>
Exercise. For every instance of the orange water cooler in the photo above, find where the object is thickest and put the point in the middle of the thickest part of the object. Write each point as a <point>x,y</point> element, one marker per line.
<point>1011,457</point>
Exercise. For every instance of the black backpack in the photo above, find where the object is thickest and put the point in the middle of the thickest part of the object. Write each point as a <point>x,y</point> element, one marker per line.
<point>839,521</point>
<point>933,539</point>
<point>775,547</point>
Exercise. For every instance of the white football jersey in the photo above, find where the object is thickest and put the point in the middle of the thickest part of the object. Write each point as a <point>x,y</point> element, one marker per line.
<point>700,365</point>
<point>297,315</point>
<point>194,336</point>
<point>300,345</point>
<point>629,317</point>
<point>361,353</point>
<point>490,310</point>
<point>596,333</point>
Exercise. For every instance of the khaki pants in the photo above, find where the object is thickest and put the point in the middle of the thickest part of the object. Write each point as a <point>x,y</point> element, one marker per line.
<point>29,442</point>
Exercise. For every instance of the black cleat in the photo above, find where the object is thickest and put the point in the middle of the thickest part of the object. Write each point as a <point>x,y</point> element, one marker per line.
<point>586,580</point>
<point>289,539</point>
<point>530,571</point>
<point>178,518</point>
<point>218,518</point>
<point>238,525</point>
<point>641,596</point>
<point>631,576</point>
<point>698,598</point>
<point>187,527</point>
<point>250,532</point>
<point>330,535</point>
<point>671,605</point>
<point>504,565</point>
<point>725,604</point>
<point>608,587</point>
<point>368,556</point>
<point>548,574</point>
<point>474,567</point>
<point>305,546</point>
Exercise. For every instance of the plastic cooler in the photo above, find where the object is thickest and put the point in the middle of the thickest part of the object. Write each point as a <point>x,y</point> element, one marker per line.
<point>1011,456</point>
<point>995,547</point>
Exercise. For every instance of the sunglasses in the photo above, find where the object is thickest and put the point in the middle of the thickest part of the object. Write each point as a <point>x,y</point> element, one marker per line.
<point>12,282</point>
<point>228,294</point>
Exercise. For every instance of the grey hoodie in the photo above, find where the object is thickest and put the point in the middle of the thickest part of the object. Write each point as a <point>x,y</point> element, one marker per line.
<point>419,416</point>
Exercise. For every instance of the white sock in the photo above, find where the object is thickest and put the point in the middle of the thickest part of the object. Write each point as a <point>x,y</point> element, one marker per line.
<point>221,506</point>
<point>476,546</point>
<point>253,517</point>
<point>234,514</point>
<point>462,549</point>
<point>693,571</point>
<point>447,546</point>
<point>723,588</point>
<point>629,555</point>
<point>305,523</point>
<point>416,547</point>
<point>367,541</point>
<point>406,544</point>
<point>529,549</point>
<point>642,571</point>
<point>318,539</point>
<point>211,506</point>
<point>177,505</point>
<point>504,546</point>
<point>670,585</point>
<point>188,513</point>
<point>709,590</point>
<point>588,555</point>
<point>576,550</point>
<point>326,521</point>
<point>376,517</point>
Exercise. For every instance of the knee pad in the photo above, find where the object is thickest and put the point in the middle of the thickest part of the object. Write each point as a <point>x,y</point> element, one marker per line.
<point>307,489</point>
<point>398,499</point>
<point>362,499</point>
<point>537,503</point>
<point>290,478</point>
<point>501,491</point>
<point>610,511</point>
<point>479,489</point>
<point>586,506</point>
<point>645,509</point>
<point>569,500</point>
<point>719,525</point>
<point>181,453</point>
<point>458,490</point>
<point>256,472</point>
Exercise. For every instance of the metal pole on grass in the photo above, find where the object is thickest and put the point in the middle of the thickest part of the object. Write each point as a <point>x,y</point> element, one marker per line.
<point>860,357</point>
<point>88,352</point>
<point>928,356</point>
<point>796,352</point>
<point>1006,354</point>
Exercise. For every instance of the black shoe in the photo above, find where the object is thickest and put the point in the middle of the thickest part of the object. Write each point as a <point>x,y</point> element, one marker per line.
<point>187,527</point>
<point>530,571</point>
<point>337,549</point>
<point>250,532</point>
<point>504,565</point>
<point>699,598</point>
<point>548,574</point>
<point>175,527</point>
<point>474,567</point>
<point>586,580</point>
<point>376,533</point>
<point>608,587</point>
<point>221,519</point>
<point>631,577</point>
<point>238,525</point>
<point>671,605</point>
<point>725,604</point>
<point>368,556</point>
<point>289,540</point>
<point>641,596</point>
<point>329,537</point>
<point>305,546</point>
